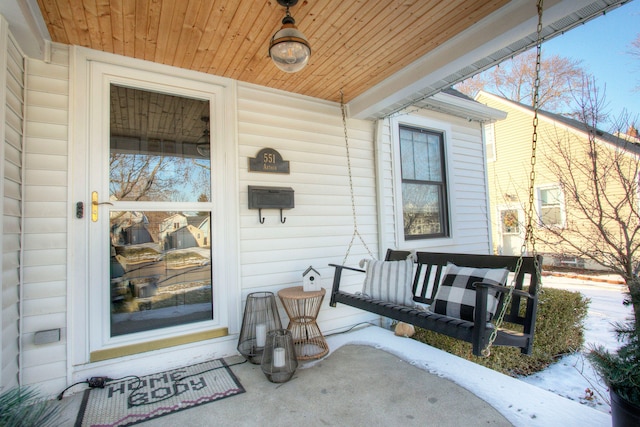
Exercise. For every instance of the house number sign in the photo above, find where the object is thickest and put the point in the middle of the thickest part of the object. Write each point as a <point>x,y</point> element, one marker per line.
<point>268,160</point>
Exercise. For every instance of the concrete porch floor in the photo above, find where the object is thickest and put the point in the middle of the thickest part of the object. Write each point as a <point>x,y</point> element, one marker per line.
<point>373,378</point>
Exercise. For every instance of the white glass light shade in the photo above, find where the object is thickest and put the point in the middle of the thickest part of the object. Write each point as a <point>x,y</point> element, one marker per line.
<point>289,49</point>
<point>203,146</point>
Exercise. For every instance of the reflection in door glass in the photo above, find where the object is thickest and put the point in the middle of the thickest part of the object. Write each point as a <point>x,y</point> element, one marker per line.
<point>159,156</point>
<point>160,270</point>
<point>160,147</point>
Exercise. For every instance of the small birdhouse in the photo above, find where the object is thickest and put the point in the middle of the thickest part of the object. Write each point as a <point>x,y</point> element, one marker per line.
<point>310,280</point>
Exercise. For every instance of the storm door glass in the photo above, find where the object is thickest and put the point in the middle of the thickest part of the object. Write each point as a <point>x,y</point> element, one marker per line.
<point>160,211</point>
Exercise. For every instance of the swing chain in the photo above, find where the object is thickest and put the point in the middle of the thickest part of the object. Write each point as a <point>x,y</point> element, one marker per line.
<point>529,235</point>
<point>353,199</point>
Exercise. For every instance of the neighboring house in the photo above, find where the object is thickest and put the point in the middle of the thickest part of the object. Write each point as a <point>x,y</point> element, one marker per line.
<point>171,223</point>
<point>180,231</point>
<point>136,234</point>
<point>508,145</point>
<point>76,120</point>
<point>185,237</point>
<point>203,236</point>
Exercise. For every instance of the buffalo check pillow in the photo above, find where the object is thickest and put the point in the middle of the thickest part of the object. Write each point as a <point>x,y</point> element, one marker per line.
<point>389,281</point>
<point>456,296</point>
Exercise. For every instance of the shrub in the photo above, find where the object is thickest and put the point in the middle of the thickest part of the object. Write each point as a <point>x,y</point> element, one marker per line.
<point>559,330</point>
<point>23,407</point>
<point>620,370</point>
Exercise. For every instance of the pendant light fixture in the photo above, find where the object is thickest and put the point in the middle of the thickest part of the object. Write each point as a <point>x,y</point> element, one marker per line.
<point>289,48</point>
<point>203,145</point>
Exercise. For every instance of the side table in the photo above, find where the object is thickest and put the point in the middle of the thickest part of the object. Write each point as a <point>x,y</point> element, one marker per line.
<point>302,309</point>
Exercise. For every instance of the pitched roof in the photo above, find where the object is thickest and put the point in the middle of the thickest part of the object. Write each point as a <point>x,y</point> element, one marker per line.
<point>577,125</point>
<point>308,270</point>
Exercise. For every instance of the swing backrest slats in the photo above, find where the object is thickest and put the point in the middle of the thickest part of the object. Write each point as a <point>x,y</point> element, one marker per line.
<point>431,266</point>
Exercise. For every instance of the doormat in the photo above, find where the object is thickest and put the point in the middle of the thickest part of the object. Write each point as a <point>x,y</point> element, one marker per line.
<point>133,400</point>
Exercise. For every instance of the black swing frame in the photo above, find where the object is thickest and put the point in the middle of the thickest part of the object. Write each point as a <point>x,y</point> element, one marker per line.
<point>521,310</point>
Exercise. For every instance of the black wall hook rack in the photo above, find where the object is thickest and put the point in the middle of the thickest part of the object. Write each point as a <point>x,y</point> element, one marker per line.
<point>270,198</point>
<point>262,219</point>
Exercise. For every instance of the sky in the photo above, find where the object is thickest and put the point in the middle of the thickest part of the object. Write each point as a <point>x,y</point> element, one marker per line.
<point>603,46</point>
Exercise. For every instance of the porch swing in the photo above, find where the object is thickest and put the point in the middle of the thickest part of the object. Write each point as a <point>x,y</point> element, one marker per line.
<point>466,295</point>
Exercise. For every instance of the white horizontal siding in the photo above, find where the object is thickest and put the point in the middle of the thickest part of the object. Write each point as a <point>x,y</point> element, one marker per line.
<point>37,193</point>
<point>470,221</point>
<point>12,189</point>
<point>45,225</point>
<point>306,132</point>
<point>45,210</point>
<point>45,177</point>
<point>11,114</point>
<point>310,135</point>
<point>34,241</point>
<point>57,354</point>
<point>47,273</point>
<point>467,190</point>
<point>44,306</point>
<point>54,146</point>
<point>44,289</point>
<point>46,375</point>
<point>45,220</point>
<point>32,324</point>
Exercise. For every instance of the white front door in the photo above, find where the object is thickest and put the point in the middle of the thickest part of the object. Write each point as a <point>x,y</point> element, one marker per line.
<point>156,230</point>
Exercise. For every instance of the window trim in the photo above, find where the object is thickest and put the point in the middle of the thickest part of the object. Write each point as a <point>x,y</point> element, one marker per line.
<point>489,137</point>
<point>430,125</point>
<point>563,216</point>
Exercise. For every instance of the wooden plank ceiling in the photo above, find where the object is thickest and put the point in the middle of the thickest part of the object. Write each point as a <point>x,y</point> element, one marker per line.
<point>355,43</point>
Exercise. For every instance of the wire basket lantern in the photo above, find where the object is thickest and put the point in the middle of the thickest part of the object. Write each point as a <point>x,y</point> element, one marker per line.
<point>260,317</point>
<point>279,361</point>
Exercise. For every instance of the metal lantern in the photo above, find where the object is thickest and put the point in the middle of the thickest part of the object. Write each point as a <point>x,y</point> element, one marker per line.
<point>279,361</point>
<point>260,317</point>
<point>289,48</point>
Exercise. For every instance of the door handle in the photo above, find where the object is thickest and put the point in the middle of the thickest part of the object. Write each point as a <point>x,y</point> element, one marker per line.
<point>95,204</point>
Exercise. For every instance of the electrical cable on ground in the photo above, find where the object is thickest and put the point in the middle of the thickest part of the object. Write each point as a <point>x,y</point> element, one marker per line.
<point>101,382</point>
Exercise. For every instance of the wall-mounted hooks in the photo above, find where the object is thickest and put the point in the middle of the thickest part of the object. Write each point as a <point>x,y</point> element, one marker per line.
<point>262,219</point>
<point>270,198</point>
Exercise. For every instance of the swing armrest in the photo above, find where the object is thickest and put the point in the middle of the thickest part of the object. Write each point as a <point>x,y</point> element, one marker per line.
<point>336,280</point>
<point>504,289</point>
<point>484,328</point>
<point>481,323</point>
<point>344,267</point>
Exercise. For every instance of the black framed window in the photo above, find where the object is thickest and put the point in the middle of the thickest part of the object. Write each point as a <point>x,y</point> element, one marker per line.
<point>424,185</point>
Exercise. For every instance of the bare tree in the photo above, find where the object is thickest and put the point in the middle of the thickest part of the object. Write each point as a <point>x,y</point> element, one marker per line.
<point>515,80</point>
<point>137,177</point>
<point>635,47</point>
<point>144,177</point>
<point>599,179</point>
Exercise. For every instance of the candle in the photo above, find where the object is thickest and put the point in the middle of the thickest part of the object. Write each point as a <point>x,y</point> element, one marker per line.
<point>278,357</point>
<point>261,334</point>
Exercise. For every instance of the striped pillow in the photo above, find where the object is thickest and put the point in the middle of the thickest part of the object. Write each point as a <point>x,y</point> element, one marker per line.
<point>456,296</point>
<point>389,281</point>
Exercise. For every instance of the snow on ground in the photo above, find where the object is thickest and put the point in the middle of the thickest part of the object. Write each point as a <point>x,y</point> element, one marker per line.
<point>558,395</point>
<point>573,376</point>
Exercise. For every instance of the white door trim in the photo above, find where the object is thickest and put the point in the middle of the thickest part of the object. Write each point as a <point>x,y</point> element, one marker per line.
<point>87,66</point>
